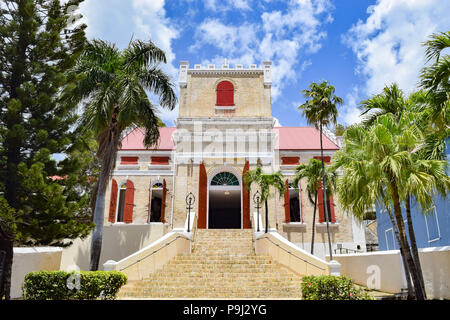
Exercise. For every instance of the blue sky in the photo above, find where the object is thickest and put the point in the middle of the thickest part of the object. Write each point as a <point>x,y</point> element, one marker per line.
<point>359,46</point>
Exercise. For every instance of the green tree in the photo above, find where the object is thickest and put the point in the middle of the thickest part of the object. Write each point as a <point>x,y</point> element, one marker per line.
<point>312,172</point>
<point>435,79</point>
<point>37,47</point>
<point>393,101</point>
<point>378,163</point>
<point>265,181</point>
<point>8,230</point>
<point>320,109</point>
<point>113,84</point>
<point>339,130</point>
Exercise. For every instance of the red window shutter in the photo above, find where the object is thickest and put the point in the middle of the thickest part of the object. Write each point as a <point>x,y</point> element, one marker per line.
<point>320,205</point>
<point>327,159</point>
<point>129,160</point>
<point>163,202</point>
<point>129,203</point>
<point>245,200</point>
<point>113,201</point>
<point>290,160</point>
<point>333,217</point>
<point>287,209</point>
<point>202,196</point>
<point>225,94</point>
<point>301,201</point>
<point>160,160</point>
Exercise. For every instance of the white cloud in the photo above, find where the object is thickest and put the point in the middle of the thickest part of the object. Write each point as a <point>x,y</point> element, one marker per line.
<point>388,44</point>
<point>225,5</point>
<point>143,19</point>
<point>281,36</point>
<point>151,23</point>
<point>349,112</point>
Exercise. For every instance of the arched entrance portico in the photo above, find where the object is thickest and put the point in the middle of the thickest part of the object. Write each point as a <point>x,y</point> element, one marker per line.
<point>224,200</point>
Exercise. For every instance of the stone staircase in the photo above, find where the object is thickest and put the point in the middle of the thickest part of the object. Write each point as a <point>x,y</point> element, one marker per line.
<point>222,265</point>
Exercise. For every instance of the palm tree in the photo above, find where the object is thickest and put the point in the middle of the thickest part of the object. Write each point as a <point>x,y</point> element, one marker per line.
<point>392,101</point>
<point>113,87</point>
<point>264,182</point>
<point>435,79</point>
<point>380,166</point>
<point>312,172</point>
<point>320,109</point>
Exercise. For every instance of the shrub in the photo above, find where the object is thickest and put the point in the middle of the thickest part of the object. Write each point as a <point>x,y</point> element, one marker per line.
<point>62,285</point>
<point>331,288</point>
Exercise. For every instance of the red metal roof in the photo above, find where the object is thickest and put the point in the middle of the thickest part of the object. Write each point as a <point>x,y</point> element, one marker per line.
<point>135,140</point>
<point>302,138</point>
<point>289,138</point>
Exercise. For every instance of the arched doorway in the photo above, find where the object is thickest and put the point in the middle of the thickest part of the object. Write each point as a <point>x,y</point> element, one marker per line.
<point>224,202</point>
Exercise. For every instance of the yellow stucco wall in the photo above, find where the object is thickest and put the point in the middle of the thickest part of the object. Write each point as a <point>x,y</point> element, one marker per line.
<point>251,98</point>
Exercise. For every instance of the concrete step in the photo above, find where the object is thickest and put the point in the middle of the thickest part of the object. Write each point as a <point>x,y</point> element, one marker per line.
<point>223,264</point>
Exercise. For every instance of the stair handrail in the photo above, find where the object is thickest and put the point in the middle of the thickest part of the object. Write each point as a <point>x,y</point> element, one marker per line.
<point>155,251</point>
<point>256,220</point>
<point>178,242</point>
<point>266,237</point>
<point>332,267</point>
<point>193,229</point>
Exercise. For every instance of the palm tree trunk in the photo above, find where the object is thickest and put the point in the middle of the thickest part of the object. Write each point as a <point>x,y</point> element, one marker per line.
<point>314,223</point>
<point>404,242</point>
<point>415,251</point>
<point>405,264</point>
<point>108,154</point>
<point>97,235</point>
<point>324,191</point>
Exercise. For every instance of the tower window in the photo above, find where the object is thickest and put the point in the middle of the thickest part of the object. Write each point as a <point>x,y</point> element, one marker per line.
<point>225,94</point>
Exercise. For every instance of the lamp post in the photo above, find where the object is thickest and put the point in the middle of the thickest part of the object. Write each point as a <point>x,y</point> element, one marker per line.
<point>190,200</point>
<point>256,198</point>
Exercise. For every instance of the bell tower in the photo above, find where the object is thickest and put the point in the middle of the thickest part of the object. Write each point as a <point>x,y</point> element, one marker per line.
<point>224,127</point>
<point>225,91</point>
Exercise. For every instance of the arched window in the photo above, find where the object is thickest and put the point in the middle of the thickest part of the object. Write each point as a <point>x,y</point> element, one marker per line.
<point>121,201</point>
<point>225,94</point>
<point>292,203</point>
<point>157,203</point>
<point>225,179</point>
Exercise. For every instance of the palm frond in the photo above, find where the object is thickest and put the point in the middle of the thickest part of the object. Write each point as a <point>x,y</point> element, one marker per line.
<point>437,43</point>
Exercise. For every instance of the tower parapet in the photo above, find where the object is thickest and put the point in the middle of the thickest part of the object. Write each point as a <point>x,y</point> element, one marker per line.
<point>248,90</point>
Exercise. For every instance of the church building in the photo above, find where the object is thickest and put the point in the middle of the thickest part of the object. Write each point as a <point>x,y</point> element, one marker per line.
<point>224,129</point>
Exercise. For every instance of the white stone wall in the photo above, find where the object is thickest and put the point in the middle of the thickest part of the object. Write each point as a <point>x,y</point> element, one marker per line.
<point>384,270</point>
<point>26,260</point>
<point>119,241</point>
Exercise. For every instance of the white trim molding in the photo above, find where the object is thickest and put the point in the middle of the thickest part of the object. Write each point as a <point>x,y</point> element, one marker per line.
<point>142,173</point>
<point>322,226</point>
<point>294,227</point>
<point>128,167</point>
